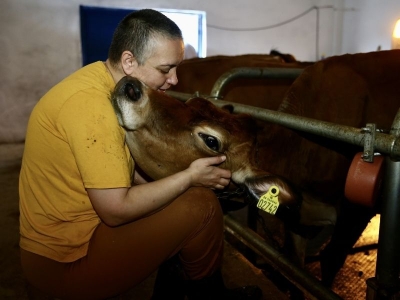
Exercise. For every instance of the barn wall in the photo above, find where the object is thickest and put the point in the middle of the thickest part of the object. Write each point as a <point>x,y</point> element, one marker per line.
<point>369,25</point>
<point>40,40</point>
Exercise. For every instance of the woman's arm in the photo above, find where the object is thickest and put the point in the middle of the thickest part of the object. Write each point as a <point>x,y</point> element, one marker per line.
<point>122,205</point>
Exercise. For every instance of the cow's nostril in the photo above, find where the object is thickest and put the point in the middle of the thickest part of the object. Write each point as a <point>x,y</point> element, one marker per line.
<point>132,91</point>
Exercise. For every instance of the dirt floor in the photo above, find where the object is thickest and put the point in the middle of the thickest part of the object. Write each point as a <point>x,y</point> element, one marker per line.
<point>350,283</point>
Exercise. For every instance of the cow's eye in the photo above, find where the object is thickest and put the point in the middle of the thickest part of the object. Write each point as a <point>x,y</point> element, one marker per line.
<point>211,141</point>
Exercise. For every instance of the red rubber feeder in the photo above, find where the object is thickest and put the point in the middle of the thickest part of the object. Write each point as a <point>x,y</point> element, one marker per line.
<point>364,180</point>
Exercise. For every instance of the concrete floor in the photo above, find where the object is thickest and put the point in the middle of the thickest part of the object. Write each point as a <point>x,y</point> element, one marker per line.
<point>237,270</point>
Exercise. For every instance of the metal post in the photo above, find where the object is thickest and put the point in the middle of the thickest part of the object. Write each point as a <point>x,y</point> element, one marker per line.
<point>387,281</point>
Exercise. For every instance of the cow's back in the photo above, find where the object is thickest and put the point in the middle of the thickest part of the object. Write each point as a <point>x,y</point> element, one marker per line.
<point>200,74</point>
<point>350,90</point>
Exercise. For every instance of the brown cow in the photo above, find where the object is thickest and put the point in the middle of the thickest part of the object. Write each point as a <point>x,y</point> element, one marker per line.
<point>159,127</point>
<point>200,74</point>
<point>165,135</point>
<point>350,90</point>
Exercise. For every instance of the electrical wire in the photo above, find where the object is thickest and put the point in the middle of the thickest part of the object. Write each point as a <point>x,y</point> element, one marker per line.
<point>269,26</point>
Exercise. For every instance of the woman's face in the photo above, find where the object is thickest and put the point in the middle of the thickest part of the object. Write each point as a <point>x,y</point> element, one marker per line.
<point>159,70</point>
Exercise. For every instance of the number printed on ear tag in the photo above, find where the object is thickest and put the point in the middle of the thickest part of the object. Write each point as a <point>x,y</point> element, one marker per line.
<point>269,201</point>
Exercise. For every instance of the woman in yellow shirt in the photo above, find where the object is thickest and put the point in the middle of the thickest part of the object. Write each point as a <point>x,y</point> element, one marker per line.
<point>86,231</point>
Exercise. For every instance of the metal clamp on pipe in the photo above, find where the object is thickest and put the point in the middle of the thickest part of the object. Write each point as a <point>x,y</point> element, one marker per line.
<point>369,142</point>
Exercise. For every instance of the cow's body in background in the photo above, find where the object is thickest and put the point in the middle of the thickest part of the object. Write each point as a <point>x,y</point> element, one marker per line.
<point>350,90</point>
<point>200,74</point>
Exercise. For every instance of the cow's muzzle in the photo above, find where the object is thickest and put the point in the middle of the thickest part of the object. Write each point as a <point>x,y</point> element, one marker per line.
<point>133,89</point>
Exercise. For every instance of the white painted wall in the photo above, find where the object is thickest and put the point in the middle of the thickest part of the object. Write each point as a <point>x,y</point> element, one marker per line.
<point>40,39</point>
<point>369,25</point>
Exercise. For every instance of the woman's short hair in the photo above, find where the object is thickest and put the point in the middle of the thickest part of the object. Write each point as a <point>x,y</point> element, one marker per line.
<point>136,33</point>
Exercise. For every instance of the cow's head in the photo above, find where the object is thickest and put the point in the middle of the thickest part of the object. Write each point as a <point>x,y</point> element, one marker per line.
<point>165,135</point>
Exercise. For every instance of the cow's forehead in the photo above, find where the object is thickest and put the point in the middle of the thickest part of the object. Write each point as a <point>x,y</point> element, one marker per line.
<point>208,111</point>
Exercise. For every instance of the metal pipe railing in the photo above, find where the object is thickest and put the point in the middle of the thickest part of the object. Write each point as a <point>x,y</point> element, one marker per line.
<point>271,73</point>
<point>384,143</point>
<point>303,280</point>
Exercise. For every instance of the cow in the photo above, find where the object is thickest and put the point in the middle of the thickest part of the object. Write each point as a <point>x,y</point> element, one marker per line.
<point>158,127</point>
<point>198,76</point>
<point>351,90</point>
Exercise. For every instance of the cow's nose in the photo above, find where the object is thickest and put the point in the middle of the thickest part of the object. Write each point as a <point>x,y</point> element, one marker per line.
<point>132,91</point>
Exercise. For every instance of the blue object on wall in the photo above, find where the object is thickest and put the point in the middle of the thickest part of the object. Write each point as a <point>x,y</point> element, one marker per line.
<point>97,28</point>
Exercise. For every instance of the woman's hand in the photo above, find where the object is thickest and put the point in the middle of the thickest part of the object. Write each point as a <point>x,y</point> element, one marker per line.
<point>206,173</point>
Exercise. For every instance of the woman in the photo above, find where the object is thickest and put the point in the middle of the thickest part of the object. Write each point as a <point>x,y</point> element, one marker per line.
<point>86,231</point>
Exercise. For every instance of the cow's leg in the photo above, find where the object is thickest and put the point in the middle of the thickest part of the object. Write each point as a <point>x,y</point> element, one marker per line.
<point>352,221</point>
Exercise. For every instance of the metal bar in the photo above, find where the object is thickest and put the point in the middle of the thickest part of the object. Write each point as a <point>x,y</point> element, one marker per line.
<point>299,277</point>
<point>388,258</point>
<point>273,73</point>
<point>384,143</point>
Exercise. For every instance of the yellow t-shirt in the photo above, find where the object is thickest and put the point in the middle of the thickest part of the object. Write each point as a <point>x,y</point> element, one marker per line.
<point>73,142</point>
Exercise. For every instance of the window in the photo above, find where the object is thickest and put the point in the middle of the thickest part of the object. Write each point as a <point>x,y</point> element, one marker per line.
<point>97,26</point>
<point>193,25</point>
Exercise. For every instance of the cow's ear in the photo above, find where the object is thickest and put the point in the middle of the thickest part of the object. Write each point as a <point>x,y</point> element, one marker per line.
<point>228,107</point>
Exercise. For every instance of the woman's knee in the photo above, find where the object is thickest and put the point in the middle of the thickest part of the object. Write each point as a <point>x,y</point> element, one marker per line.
<point>201,255</point>
<point>201,203</point>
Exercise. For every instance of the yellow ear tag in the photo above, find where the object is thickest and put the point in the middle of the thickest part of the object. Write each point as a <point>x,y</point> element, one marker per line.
<point>269,201</point>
